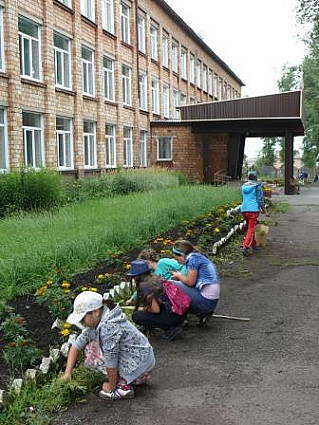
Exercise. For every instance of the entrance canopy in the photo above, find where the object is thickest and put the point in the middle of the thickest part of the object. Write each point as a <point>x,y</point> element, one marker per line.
<point>277,115</point>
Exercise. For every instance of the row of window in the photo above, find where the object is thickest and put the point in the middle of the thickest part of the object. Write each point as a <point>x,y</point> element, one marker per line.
<point>31,63</point>
<point>32,128</point>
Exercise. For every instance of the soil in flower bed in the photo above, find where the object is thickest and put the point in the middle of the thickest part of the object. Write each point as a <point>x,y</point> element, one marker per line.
<point>38,321</point>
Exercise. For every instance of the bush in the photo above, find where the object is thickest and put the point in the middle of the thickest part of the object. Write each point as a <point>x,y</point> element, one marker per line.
<point>122,182</point>
<point>30,190</point>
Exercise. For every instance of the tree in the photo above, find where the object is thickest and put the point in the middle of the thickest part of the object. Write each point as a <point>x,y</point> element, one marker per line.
<point>308,10</point>
<point>267,154</point>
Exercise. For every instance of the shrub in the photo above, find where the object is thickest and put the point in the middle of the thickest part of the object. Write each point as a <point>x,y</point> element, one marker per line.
<point>30,190</point>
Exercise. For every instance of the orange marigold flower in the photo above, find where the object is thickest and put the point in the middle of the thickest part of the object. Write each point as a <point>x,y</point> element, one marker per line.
<point>65,332</point>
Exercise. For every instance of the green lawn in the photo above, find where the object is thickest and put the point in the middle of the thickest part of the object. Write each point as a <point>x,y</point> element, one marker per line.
<point>78,236</point>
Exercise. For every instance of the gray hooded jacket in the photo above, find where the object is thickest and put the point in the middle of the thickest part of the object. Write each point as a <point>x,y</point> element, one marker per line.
<point>123,346</point>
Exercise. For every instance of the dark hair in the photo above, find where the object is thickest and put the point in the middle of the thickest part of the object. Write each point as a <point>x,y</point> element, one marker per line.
<point>252,176</point>
<point>147,290</point>
<point>185,247</point>
<point>148,255</point>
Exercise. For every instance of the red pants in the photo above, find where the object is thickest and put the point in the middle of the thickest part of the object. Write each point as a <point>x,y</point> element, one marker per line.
<point>251,221</point>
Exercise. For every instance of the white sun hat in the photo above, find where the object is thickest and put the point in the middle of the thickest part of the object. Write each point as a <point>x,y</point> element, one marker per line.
<point>83,303</point>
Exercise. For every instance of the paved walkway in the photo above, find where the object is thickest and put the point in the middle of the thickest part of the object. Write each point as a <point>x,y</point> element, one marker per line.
<point>262,372</point>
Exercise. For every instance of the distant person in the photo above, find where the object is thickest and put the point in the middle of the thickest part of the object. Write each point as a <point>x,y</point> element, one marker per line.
<point>201,282</point>
<point>125,355</point>
<point>253,204</point>
<point>316,178</point>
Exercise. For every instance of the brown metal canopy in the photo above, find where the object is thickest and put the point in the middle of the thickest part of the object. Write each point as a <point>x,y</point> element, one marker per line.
<point>277,115</point>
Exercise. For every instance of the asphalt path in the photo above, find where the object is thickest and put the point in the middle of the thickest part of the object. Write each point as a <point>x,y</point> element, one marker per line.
<point>262,372</point>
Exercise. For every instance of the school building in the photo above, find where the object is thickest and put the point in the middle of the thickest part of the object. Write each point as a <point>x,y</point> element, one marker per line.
<point>83,84</point>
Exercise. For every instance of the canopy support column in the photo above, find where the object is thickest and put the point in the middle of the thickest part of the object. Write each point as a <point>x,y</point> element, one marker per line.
<point>289,162</point>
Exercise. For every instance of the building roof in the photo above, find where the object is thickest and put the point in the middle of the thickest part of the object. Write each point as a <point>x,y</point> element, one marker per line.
<point>198,39</point>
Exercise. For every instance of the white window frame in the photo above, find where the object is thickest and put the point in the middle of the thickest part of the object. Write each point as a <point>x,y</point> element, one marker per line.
<point>128,147</point>
<point>127,85</point>
<point>108,15</point>
<point>67,137</point>
<point>143,148</point>
<point>169,140</point>
<point>88,138</point>
<point>165,50</point>
<point>88,9</point>
<point>166,102</point>
<point>183,99</point>
<point>175,56</point>
<point>192,68</point>
<point>88,78</point>
<point>31,130</point>
<point>141,26</point>
<point>25,38</point>
<point>154,42</point>
<point>2,56</point>
<point>67,3</point>
<point>155,96</point>
<point>199,73</point>
<point>215,89</point>
<point>210,82</point>
<point>176,104</point>
<point>110,146</point>
<point>65,56</point>
<point>143,91</point>
<point>108,79</point>
<point>125,12</point>
<point>205,70</point>
<point>220,88</point>
<point>184,63</point>
<point>4,127</point>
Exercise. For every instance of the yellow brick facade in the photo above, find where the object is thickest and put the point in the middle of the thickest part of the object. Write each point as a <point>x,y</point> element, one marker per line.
<point>20,94</point>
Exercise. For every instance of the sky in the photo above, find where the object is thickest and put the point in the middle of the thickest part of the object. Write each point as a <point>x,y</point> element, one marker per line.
<point>255,38</point>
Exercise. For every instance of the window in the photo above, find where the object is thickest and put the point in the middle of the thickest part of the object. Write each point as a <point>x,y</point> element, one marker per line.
<point>165,50</point>
<point>166,100</point>
<point>183,100</point>
<point>88,71</point>
<point>154,52</point>
<point>192,69</point>
<point>210,82</point>
<point>176,104</point>
<point>184,63</point>
<point>143,148</point>
<point>30,48</point>
<point>110,146</point>
<point>128,147</point>
<point>143,91</point>
<point>32,139</point>
<point>108,75</point>
<point>126,85</point>
<point>175,56</point>
<point>1,42</point>
<point>215,88</point>
<point>220,88</point>
<point>66,3</point>
<point>3,141</point>
<point>125,23</point>
<point>155,96</point>
<point>205,78</point>
<point>108,16</point>
<point>229,92</point>
<point>88,9</point>
<point>62,58</point>
<point>225,90</point>
<point>89,144</point>
<point>64,143</point>
<point>141,33</point>
<point>164,149</point>
<point>192,100</point>
<point>199,73</point>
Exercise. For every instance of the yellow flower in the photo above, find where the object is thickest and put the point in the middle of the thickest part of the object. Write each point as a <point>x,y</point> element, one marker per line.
<point>49,282</point>
<point>65,332</point>
<point>216,230</point>
<point>66,325</point>
<point>65,284</point>
<point>107,275</point>
<point>84,288</point>
<point>128,266</point>
<point>93,289</point>
<point>41,290</point>
<point>66,291</point>
<point>101,276</point>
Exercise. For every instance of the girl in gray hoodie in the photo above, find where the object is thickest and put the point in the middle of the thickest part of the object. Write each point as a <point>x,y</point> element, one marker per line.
<point>121,350</point>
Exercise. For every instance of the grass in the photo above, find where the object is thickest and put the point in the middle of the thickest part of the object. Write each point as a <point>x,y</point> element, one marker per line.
<point>79,235</point>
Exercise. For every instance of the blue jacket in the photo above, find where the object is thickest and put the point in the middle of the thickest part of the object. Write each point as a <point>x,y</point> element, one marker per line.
<point>253,198</point>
